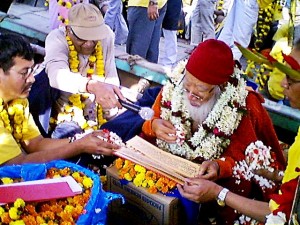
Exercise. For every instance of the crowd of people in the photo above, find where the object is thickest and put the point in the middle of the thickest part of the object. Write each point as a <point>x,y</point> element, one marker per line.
<point>205,113</point>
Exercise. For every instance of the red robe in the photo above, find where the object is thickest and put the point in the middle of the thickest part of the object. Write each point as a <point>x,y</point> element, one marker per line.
<point>255,125</point>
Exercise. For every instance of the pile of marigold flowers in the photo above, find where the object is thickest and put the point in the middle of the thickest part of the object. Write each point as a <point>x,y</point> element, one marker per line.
<point>141,177</point>
<point>63,211</point>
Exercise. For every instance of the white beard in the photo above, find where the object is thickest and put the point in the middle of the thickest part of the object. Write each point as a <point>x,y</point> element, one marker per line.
<point>200,113</point>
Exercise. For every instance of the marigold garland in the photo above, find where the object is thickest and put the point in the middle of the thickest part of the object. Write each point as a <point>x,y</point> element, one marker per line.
<point>141,177</point>
<point>63,211</point>
<point>74,110</point>
<point>14,117</point>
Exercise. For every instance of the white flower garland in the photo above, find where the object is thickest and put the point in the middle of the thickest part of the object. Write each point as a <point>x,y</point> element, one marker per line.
<point>257,156</point>
<point>213,135</point>
<point>279,219</point>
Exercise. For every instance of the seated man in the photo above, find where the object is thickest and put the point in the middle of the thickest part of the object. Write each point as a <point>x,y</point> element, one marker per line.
<point>208,116</point>
<point>20,139</point>
<point>200,190</point>
<point>79,59</point>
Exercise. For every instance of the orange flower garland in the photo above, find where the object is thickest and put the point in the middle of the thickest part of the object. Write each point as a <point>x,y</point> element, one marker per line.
<point>63,211</point>
<point>141,177</point>
<point>14,118</point>
<point>74,110</point>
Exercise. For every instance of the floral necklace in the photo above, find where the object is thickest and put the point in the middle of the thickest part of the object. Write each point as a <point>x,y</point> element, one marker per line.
<point>96,59</point>
<point>14,118</point>
<point>74,110</point>
<point>215,132</point>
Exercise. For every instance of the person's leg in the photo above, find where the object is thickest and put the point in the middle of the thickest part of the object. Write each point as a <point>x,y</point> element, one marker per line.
<point>140,31</point>
<point>169,55</point>
<point>206,18</point>
<point>170,26</point>
<point>115,20</point>
<point>196,32</point>
<point>243,27</point>
<point>153,50</point>
<point>226,34</point>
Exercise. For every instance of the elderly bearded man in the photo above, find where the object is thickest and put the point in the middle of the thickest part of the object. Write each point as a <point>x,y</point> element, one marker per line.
<point>210,117</point>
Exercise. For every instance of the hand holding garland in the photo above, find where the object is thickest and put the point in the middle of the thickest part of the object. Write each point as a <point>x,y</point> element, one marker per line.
<point>41,149</point>
<point>164,130</point>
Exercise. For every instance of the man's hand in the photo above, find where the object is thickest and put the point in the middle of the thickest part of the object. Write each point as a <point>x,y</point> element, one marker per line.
<point>199,190</point>
<point>209,170</point>
<point>105,94</point>
<point>275,176</point>
<point>164,130</point>
<point>93,144</point>
<point>153,12</point>
<point>219,16</point>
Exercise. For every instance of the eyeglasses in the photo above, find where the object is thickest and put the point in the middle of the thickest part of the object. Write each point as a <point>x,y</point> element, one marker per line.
<point>26,72</point>
<point>290,81</point>
<point>199,93</point>
<point>79,40</point>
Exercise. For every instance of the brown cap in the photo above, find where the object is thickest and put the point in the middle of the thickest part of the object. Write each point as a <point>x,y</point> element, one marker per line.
<point>87,22</point>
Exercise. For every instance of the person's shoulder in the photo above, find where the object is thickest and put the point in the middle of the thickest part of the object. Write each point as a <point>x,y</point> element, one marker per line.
<point>57,33</point>
<point>111,34</point>
<point>254,96</point>
<point>254,101</point>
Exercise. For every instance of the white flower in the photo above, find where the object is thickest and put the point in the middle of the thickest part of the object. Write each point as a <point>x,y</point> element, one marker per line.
<point>222,120</point>
<point>279,219</point>
<point>257,156</point>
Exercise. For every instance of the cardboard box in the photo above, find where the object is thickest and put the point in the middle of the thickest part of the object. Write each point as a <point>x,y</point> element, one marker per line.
<point>141,207</point>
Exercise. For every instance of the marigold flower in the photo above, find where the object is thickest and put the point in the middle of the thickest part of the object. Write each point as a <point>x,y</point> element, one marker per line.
<point>139,169</point>
<point>13,213</point>
<point>87,182</point>
<point>19,203</point>
<point>17,222</point>
<point>6,180</point>
<point>119,163</point>
<point>150,175</point>
<point>127,177</point>
<point>137,181</point>
<point>152,189</point>
<point>1,210</point>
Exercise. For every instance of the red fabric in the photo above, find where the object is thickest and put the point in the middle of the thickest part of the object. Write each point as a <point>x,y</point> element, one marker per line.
<point>255,125</point>
<point>211,62</point>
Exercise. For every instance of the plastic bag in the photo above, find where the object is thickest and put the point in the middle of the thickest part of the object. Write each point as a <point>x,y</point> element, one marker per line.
<point>96,208</point>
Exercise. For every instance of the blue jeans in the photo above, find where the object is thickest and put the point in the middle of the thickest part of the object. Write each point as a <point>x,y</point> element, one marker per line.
<point>144,34</point>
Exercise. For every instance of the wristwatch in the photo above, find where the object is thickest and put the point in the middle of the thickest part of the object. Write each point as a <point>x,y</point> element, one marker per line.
<point>221,197</point>
<point>153,3</point>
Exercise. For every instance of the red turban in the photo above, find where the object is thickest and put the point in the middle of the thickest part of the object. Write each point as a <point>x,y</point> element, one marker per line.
<point>211,62</point>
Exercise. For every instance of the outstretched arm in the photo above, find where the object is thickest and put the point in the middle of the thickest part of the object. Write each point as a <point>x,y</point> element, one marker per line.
<point>201,190</point>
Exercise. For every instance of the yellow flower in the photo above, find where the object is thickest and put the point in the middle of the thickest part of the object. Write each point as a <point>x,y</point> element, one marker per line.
<point>92,58</point>
<point>7,180</point>
<point>68,5</point>
<point>69,208</point>
<point>19,203</point>
<point>87,182</point>
<point>1,210</point>
<point>17,222</point>
<point>138,180</point>
<point>13,213</point>
<point>139,169</point>
<point>127,177</point>
<point>90,71</point>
